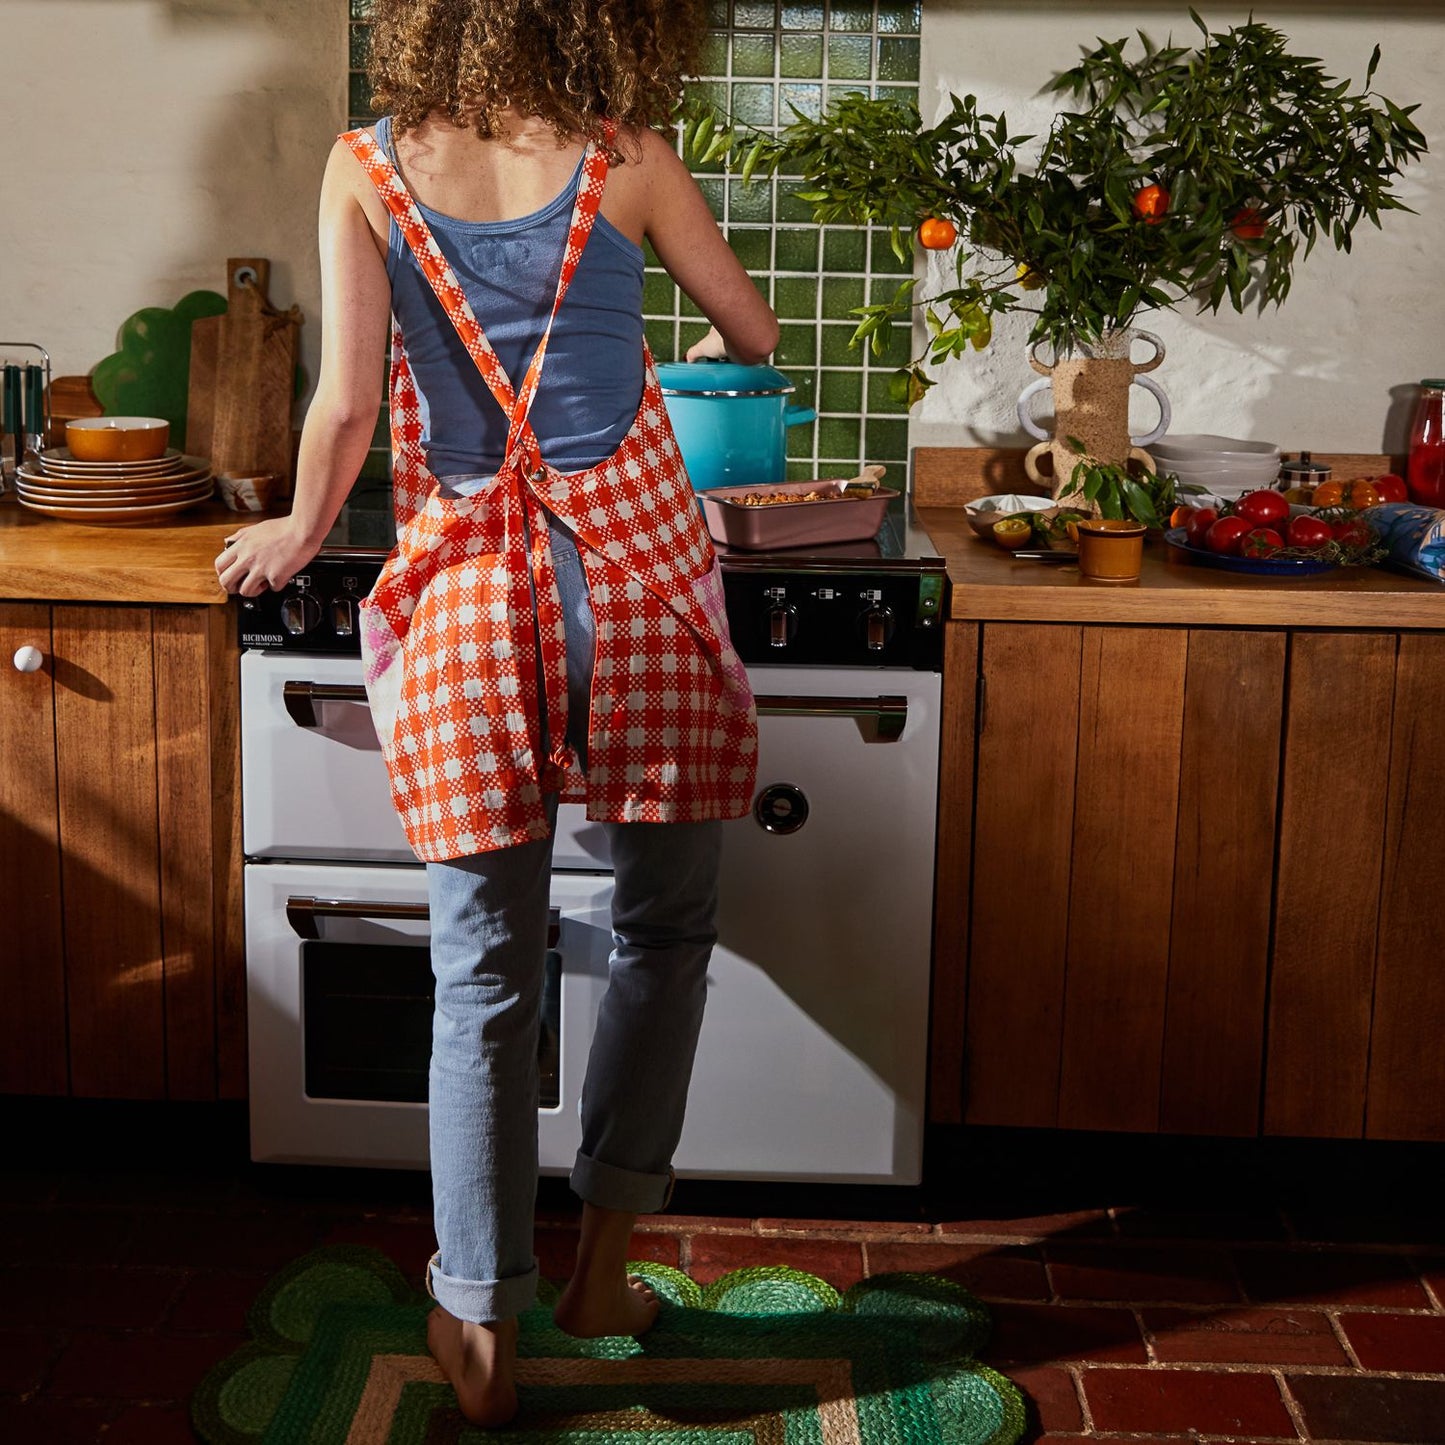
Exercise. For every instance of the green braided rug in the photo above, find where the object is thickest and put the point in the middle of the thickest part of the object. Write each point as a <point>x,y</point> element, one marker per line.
<point>763,1356</point>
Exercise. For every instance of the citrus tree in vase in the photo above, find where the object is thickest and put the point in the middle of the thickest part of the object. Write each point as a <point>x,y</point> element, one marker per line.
<point>1171,174</point>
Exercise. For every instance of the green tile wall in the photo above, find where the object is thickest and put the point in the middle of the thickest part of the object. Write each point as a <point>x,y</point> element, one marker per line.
<point>761,57</point>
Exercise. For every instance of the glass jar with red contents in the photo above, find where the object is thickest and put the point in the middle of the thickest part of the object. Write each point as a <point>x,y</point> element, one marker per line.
<point>1425,471</point>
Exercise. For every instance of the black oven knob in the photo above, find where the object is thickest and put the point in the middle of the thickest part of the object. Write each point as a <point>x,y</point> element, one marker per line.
<point>878,627</point>
<point>300,614</point>
<point>781,808</point>
<point>782,625</point>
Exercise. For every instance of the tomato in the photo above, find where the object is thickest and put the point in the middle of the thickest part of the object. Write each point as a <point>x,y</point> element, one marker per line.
<point>1353,533</point>
<point>1264,508</point>
<point>1361,494</point>
<point>1308,532</point>
<point>1200,520</point>
<point>1151,202</point>
<point>1227,534</point>
<point>1261,542</point>
<point>1180,516</point>
<point>1391,488</point>
<point>936,234</point>
<point>1248,224</point>
<point>1329,494</point>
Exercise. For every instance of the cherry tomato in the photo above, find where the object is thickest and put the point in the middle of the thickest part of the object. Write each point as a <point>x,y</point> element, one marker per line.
<point>1227,534</point>
<point>1308,532</point>
<point>1353,533</point>
<point>1264,508</point>
<point>1200,520</point>
<point>1262,542</point>
<point>1150,203</point>
<point>1391,488</point>
<point>936,234</point>
<point>1248,224</point>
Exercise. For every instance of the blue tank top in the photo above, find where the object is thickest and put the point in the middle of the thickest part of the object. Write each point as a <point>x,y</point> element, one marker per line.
<point>592,377</point>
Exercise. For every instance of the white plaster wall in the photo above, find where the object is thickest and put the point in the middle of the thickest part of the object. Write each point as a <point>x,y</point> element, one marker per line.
<point>148,140</point>
<point>1334,368</point>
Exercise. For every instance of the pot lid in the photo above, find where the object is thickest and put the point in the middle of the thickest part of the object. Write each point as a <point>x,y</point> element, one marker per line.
<point>720,378</point>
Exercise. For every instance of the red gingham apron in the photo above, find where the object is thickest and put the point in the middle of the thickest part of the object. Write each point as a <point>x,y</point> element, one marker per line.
<point>456,675</point>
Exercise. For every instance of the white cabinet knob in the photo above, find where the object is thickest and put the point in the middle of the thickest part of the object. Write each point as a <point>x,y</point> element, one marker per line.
<point>29,659</point>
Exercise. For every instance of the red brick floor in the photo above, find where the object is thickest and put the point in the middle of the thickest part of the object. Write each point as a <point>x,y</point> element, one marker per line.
<point>1126,1311</point>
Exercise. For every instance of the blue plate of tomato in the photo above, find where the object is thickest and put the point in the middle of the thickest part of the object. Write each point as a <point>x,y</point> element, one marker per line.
<point>1276,566</point>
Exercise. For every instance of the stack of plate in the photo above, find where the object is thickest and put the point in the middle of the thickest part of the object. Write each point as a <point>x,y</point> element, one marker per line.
<point>1225,466</point>
<point>60,485</point>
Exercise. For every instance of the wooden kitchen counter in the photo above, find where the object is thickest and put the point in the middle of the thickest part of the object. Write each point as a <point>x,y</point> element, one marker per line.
<point>155,562</point>
<point>1187,866</point>
<point>990,585</point>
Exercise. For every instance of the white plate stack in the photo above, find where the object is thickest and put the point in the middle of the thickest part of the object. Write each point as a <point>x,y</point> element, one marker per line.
<point>59,485</point>
<point>1224,466</point>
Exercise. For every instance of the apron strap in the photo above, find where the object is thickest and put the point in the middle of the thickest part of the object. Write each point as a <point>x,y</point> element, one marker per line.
<point>438,272</point>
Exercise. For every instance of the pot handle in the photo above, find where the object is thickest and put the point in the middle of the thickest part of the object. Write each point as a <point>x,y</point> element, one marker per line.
<point>797,415</point>
<point>1136,454</point>
<point>1165,414</point>
<point>1025,419</point>
<point>1158,346</point>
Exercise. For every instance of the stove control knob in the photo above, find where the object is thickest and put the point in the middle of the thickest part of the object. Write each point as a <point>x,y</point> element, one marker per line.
<point>782,626</point>
<point>878,627</point>
<point>343,616</point>
<point>781,808</point>
<point>300,614</point>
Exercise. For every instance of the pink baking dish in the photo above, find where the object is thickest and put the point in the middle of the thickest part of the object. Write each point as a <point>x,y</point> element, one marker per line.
<point>792,524</point>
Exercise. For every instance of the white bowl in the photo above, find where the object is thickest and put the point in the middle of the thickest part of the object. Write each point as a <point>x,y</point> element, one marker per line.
<point>1198,471</point>
<point>1205,447</point>
<point>983,512</point>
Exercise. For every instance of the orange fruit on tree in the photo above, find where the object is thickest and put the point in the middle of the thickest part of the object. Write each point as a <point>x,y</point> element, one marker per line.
<point>1151,202</point>
<point>1248,224</point>
<point>937,234</point>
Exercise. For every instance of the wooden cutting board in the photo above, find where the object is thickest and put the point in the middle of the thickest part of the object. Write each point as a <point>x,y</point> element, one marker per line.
<point>243,377</point>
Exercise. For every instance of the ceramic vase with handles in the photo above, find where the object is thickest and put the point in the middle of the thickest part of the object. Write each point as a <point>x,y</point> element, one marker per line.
<point>1091,405</point>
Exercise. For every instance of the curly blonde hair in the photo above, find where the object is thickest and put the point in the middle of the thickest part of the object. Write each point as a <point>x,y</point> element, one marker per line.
<point>569,62</point>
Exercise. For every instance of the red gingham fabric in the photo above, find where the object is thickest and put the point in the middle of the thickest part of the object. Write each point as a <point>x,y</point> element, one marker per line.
<point>454,672</point>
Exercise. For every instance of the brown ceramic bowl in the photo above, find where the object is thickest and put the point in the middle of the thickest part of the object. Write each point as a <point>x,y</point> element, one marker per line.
<point>117,438</point>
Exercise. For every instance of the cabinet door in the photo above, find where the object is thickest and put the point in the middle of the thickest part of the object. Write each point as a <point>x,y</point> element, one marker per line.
<point>1122,856</point>
<point>32,975</point>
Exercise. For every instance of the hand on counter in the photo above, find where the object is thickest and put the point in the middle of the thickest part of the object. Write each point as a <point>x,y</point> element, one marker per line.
<point>268,554</point>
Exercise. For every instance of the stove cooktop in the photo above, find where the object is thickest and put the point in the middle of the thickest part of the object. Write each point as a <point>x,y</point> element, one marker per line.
<point>878,603</point>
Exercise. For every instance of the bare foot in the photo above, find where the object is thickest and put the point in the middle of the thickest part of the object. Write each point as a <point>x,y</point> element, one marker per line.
<point>592,1306</point>
<point>480,1363</point>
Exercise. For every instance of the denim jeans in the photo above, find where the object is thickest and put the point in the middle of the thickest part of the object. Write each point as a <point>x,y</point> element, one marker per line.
<point>488,944</point>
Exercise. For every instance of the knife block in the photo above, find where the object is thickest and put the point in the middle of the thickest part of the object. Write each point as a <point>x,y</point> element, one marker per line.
<point>243,378</point>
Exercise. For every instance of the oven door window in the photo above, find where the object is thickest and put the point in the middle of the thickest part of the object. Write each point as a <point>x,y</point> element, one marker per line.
<point>368,1016</point>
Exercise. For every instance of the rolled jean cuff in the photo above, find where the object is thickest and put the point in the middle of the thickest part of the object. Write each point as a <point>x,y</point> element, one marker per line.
<point>481,1301</point>
<point>609,1187</point>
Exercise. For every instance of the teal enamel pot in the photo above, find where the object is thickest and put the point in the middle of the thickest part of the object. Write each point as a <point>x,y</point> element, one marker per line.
<point>731,421</point>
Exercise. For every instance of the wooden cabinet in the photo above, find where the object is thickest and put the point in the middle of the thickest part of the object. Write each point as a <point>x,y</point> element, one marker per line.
<point>1189,880</point>
<point>123,973</point>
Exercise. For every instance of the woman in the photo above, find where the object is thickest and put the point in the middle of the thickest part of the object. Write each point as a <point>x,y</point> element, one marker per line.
<point>551,622</point>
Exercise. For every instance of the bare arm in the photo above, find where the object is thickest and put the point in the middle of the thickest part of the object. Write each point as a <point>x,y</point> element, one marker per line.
<point>355,314</point>
<point>695,254</point>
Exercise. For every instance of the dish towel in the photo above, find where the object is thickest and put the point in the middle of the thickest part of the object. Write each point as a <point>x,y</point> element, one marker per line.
<point>1414,537</point>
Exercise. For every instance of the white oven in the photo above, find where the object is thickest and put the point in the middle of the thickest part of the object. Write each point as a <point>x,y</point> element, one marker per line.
<point>811,1064</point>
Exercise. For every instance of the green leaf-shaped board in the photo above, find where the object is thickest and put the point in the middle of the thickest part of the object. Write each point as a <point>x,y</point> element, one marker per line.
<point>150,374</point>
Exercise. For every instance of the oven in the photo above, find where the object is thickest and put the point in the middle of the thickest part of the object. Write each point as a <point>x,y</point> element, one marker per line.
<point>811,1064</point>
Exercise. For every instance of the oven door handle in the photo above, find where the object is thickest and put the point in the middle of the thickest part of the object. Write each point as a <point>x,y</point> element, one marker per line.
<point>303,911</point>
<point>879,719</point>
<point>301,698</point>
